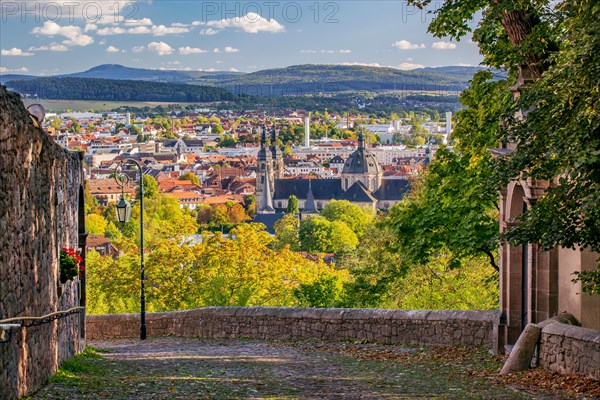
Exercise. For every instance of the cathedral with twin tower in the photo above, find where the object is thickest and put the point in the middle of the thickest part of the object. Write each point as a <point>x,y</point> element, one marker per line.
<point>361,182</point>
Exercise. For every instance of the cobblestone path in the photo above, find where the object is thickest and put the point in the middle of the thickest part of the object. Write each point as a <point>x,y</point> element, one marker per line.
<point>187,368</point>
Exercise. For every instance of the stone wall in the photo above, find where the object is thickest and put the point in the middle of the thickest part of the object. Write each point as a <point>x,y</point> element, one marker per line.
<point>39,198</point>
<point>570,349</point>
<point>390,326</point>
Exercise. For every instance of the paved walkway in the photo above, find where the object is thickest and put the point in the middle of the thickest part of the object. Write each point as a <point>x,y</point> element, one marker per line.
<point>186,368</point>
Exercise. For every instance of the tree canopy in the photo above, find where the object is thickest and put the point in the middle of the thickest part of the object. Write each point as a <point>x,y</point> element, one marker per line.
<point>555,47</point>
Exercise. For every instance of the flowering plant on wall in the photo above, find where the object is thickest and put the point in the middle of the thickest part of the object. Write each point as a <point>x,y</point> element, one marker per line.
<point>69,264</point>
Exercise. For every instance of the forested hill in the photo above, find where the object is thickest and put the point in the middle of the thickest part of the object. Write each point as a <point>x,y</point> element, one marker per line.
<point>118,90</point>
<point>302,79</point>
<point>298,79</point>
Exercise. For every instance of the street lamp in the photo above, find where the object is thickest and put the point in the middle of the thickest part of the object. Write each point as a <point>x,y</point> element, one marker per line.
<point>123,209</point>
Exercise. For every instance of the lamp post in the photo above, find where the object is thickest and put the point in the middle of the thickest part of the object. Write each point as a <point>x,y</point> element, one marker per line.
<point>123,215</point>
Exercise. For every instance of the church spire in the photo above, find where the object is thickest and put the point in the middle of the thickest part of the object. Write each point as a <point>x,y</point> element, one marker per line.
<point>309,204</point>
<point>266,200</point>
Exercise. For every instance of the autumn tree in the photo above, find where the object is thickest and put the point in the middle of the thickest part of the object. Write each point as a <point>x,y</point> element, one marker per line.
<point>236,214</point>
<point>95,224</point>
<point>190,176</point>
<point>286,232</point>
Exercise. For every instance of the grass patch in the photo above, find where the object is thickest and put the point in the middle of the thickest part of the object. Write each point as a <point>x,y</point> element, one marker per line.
<point>71,371</point>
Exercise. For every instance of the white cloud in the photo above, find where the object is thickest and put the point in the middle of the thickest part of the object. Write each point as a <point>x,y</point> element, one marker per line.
<point>102,42</point>
<point>173,63</point>
<point>22,69</point>
<point>139,22</point>
<point>138,49</point>
<point>15,52</point>
<point>90,27</point>
<point>191,50</point>
<point>179,24</point>
<point>230,49</point>
<point>51,47</point>
<point>408,66</point>
<point>377,65</point>
<point>110,31</point>
<point>403,66</point>
<point>216,50</point>
<point>139,30</point>
<point>443,46</point>
<point>112,49</point>
<point>343,51</point>
<point>336,51</point>
<point>154,30</point>
<point>249,23</point>
<point>107,19</point>
<point>161,48</point>
<point>175,69</point>
<point>406,45</point>
<point>73,33</point>
<point>234,69</point>
<point>162,30</point>
<point>208,32</point>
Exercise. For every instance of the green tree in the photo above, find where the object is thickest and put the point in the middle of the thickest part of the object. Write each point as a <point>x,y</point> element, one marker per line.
<point>227,141</point>
<point>292,207</point>
<point>448,213</point>
<point>325,292</point>
<point>376,267</point>
<point>437,287</point>
<point>150,186</point>
<point>250,205</point>
<point>356,217</point>
<point>318,235</point>
<point>557,137</point>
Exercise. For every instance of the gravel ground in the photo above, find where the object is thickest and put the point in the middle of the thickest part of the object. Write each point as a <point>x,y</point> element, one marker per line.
<point>188,368</point>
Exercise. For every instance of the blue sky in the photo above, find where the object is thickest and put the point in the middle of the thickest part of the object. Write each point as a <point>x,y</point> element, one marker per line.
<point>46,38</point>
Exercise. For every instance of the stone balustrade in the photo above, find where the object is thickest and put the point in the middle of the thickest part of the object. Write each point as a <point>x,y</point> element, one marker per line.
<point>569,349</point>
<point>376,325</point>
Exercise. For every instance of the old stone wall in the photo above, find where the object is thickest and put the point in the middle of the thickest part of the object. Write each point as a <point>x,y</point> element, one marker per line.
<point>390,326</point>
<point>569,349</point>
<point>39,197</point>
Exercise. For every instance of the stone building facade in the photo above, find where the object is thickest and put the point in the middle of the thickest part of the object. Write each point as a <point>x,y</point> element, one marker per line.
<point>41,211</point>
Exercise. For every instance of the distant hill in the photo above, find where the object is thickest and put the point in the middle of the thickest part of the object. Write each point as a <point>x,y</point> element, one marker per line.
<point>293,80</point>
<point>117,90</point>
<point>14,77</point>
<point>115,71</point>
<point>302,79</point>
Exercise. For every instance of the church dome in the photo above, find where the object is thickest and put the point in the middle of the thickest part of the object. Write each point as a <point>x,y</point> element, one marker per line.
<point>362,161</point>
